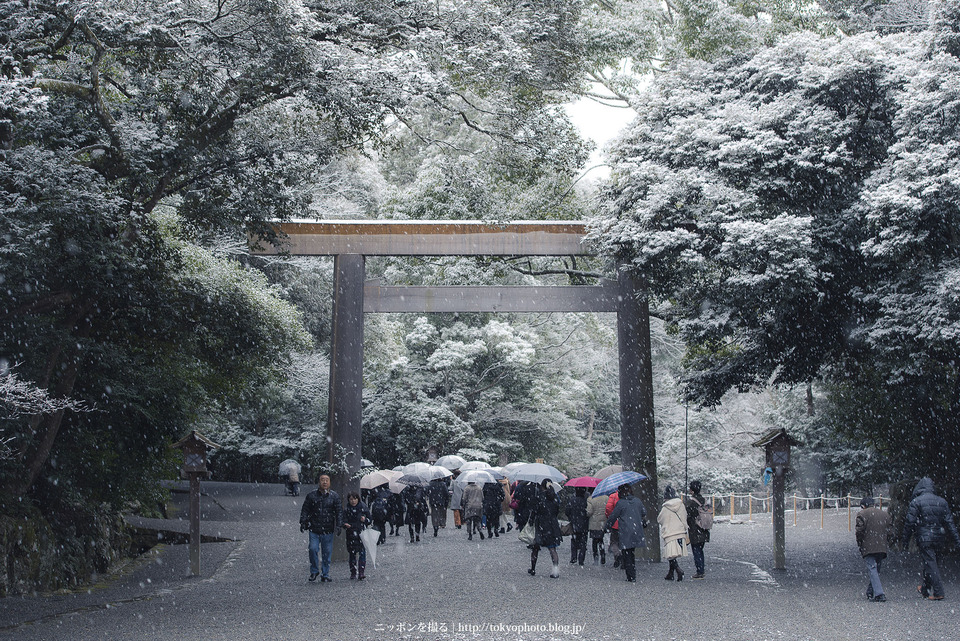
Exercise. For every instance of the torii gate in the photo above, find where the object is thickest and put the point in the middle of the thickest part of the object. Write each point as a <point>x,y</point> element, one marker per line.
<point>350,242</point>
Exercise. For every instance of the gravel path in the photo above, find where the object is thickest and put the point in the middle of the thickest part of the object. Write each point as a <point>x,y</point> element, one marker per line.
<point>254,587</point>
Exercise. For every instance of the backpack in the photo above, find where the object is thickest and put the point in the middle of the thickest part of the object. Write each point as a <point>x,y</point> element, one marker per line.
<point>379,509</point>
<point>704,518</point>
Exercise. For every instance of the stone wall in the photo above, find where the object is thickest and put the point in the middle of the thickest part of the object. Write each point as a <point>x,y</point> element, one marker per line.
<point>69,549</point>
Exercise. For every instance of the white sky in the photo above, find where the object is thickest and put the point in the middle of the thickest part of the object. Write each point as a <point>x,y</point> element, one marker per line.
<point>600,124</point>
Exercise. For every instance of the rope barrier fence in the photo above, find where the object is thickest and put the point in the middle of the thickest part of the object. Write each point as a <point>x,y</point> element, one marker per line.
<point>744,505</point>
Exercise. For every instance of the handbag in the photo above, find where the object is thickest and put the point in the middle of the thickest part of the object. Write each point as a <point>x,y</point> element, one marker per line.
<point>529,533</point>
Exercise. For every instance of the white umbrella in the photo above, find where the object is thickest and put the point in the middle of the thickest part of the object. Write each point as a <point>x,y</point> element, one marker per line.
<point>509,467</point>
<point>439,472</point>
<point>536,472</point>
<point>451,461</point>
<point>288,466</point>
<point>378,478</point>
<point>370,537</point>
<point>416,468</point>
<point>474,465</point>
<point>607,471</point>
<point>475,476</point>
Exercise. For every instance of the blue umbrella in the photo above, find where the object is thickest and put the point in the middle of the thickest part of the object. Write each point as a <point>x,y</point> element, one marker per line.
<point>610,484</point>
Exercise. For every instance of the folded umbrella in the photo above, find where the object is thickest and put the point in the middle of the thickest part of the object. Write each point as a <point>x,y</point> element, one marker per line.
<point>370,536</point>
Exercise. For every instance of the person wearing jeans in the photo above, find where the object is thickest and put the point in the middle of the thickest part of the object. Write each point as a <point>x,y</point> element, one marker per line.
<point>321,514</point>
<point>873,525</point>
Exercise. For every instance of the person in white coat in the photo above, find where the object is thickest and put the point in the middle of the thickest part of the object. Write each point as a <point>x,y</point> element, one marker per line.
<point>673,531</point>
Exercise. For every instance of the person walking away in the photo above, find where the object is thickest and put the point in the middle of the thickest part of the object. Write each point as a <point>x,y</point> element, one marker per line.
<point>930,520</point>
<point>699,518</point>
<point>873,526</point>
<point>615,530</point>
<point>355,519</point>
<point>456,501</point>
<point>579,524</point>
<point>596,513</point>
<point>439,500</point>
<point>293,481</point>
<point>380,511</point>
<point>505,506</point>
<point>396,508</point>
<point>525,496</point>
<point>471,503</point>
<point>630,515</point>
<point>673,531</point>
<point>492,507</point>
<point>417,510</point>
<point>321,515</point>
<point>546,511</point>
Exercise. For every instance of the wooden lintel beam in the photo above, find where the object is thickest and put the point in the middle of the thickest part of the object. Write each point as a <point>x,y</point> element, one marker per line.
<point>431,238</point>
<point>490,299</point>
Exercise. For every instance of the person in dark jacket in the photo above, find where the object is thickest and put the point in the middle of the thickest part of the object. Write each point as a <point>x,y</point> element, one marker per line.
<point>698,536</point>
<point>545,511</point>
<point>525,496</point>
<point>631,518</point>
<point>355,518</point>
<point>380,510</point>
<point>579,524</point>
<point>439,497</point>
<point>873,526</point>
<point>395,507</point>
<point>493,496</point>
<point>321,515</point>
<point>929,519</point>
<point>415,501</point>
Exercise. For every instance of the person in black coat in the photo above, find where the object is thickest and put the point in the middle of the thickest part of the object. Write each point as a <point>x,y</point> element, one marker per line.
<point>930,520</point>
<point>545,512</point>
<point>395,507</point>
<point>439,501</point>
<point>698,536</point>
<point>355,518</point>
<point>415,502</point>
<point>321,515</point>
<point>579,524</point>
<point>525,496</point>
<point>380,510</point>
<point>493,496</point>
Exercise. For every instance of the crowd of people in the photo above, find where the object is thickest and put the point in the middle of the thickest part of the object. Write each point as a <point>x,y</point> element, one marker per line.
<point>482,507</point>
<point>536,512</point>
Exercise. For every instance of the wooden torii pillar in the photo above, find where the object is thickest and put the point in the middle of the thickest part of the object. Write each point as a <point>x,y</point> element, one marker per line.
<point>350,242</point>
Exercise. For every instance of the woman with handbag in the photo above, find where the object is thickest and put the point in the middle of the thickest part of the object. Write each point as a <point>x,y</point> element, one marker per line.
<point>545,516</point>
<point>673,531</point>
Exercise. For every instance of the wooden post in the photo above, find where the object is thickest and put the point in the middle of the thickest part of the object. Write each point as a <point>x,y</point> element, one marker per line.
<point>779,536</point>
<point>822,499</point>
<point>750,506</point>
<point>794,509</point>
<point>732,499</point>
<point>195,523</point>
<point>880,501</point>
<point>849,514</point>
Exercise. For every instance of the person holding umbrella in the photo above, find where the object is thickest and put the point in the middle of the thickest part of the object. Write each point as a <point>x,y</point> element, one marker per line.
<point>631,517</point>
<point>471,503</point>
<point>673,531</point>
<point>545,513</point>
<point>596,513</point>
<point>579,523</point>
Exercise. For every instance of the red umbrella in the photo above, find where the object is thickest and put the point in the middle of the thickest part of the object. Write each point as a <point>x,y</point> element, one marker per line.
<point>583,481</point>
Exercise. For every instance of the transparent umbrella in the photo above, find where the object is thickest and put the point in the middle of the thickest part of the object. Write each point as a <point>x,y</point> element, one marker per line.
<point>451,461</point>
